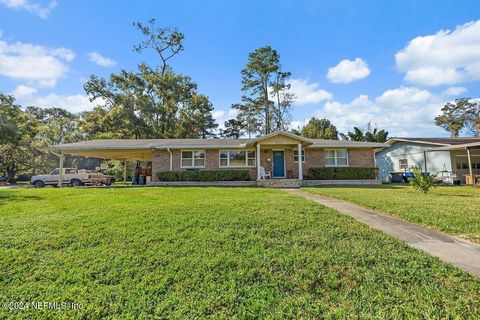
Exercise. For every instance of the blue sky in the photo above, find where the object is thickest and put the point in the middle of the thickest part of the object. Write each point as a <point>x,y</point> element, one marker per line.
<point>390,62</point>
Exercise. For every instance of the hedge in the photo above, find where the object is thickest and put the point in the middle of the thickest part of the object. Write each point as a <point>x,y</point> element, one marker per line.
<point>204,175</point>
<point>342,173</point>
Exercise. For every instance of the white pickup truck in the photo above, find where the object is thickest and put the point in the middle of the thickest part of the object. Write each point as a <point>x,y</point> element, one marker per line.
<point>73,177</point>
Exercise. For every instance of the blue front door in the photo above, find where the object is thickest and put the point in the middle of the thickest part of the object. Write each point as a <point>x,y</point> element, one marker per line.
<point>279,164</point>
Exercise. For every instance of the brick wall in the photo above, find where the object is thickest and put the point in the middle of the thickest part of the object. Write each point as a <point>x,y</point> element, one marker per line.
<point>161,162</point>
<point>313,158</point>
<point>361,158</point>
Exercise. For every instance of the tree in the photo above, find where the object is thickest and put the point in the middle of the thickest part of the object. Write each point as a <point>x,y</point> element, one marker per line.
<point>165,42</point>
<point>369,135</point>
<point>284,98</point>
<point>196,119</point>
<point>422,181</point>
<point>459,115</point>
<point>55,126</point>
<point>355,135</point>
<point>18,130</point>
<point>320,129</point>
<point>233,129</point>
<point>262,77</point>
<point>152,102</point>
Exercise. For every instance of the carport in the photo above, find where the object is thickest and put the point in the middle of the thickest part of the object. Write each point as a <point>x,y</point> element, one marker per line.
<point>472,153</point>
<point>124,150</point>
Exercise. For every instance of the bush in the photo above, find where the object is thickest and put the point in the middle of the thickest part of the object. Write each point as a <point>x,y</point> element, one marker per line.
<point>422,181</point>
<point>204,175</point>
<point>342,173</point>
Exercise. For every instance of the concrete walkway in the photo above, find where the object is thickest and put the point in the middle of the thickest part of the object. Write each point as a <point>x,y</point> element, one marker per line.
<point>460,253</point>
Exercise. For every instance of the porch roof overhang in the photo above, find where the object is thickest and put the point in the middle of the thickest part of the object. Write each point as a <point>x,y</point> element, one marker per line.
<point>473,145</point>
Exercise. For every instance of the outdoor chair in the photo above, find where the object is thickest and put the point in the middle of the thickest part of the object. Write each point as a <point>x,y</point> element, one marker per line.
<point>264,174</point>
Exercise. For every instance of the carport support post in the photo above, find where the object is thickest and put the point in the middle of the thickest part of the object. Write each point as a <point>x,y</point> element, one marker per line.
<point>469,156</point>
<point>300,162</point>
<point>125,172</point>
<point>425,160</point>
<point>60,171</point>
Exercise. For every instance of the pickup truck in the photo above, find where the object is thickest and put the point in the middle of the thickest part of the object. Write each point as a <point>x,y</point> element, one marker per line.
<point>73,177</point>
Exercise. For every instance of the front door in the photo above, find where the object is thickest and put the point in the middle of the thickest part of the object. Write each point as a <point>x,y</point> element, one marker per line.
<point>278,164</point>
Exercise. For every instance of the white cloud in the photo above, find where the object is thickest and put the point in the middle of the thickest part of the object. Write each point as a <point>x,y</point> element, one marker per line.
<point>41,11</point>
<point>405,111</point>
<point>447,57</point>
<point>308,93</point>
<point>101,60</point>
<point>404,96</point>
<point>23,91</point>
<point>218,115</point>
<point>347,71</point>
<point>27,96</point>
<point>41,65</point>
<point>454,91</point>
<point>298,124</point>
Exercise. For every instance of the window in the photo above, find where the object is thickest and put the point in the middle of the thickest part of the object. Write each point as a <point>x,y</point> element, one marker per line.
<point>403,164</point>
<point>54,172</point>
<point>193,159</point>
<point>237,158</point>
<point>336,158</point>
<point>295,155</point>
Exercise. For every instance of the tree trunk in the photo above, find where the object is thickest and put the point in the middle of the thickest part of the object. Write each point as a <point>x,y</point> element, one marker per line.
<point>11,172</point>
<point>267,107</point>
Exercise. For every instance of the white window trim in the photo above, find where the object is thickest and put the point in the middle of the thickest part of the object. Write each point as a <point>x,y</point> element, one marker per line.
<point>193,161</point>
<point>304,155</point>
<point>400,165</point>
<point>337,165</point>
<point>246,158</point>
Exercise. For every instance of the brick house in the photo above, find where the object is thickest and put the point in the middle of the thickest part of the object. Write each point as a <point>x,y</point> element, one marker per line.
<point>278,153</point>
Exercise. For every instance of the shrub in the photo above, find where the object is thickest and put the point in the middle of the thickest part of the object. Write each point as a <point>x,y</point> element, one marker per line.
<point>204,175</point>
<point>342,173</point>
<point>422,181</point>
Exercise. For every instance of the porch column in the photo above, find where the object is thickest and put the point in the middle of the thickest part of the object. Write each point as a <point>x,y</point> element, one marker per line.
<point>258,161</point>
<point>125,172</point>
<point>60,171</point>
<point>170,159</point>
<point>469,156</point>
<point>300,163</point>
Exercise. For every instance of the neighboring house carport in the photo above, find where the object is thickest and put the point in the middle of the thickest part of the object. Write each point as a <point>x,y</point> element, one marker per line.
<point>473,160</point>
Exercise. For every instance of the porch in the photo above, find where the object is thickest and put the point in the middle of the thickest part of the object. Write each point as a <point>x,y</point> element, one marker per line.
<point>465,161</point>
<point>282,156</point>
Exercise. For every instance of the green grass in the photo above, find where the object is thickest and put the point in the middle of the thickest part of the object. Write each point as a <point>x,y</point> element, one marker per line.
<point>454,210</point>
<point>218,252</point>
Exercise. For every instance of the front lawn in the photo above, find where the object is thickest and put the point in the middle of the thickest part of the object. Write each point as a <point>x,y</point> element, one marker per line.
<point>454,210</point>
<point>220,252</point>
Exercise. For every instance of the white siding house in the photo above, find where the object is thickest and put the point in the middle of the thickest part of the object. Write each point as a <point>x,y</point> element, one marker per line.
<point>404,153</point>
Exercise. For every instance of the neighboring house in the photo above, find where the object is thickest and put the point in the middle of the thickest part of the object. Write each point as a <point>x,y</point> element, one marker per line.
<point>429,154</point>
<point>277,152</point>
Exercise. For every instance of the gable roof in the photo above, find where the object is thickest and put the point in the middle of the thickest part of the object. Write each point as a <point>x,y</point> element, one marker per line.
<point>282,133</point>
<point>436,141</point>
